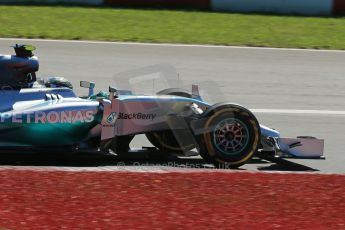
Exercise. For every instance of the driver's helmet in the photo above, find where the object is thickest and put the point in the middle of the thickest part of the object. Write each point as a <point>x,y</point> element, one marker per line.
<point>58,82</point>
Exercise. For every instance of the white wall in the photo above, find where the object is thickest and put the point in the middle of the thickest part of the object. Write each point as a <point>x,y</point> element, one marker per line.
<point>303,7</point>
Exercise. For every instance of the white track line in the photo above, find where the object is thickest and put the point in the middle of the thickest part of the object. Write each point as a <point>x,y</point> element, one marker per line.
<point>167,45</point>
<point>299,112</point>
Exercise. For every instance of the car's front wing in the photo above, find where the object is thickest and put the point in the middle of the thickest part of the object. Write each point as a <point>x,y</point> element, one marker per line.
<point>300,147</point>
<point>308,148</point>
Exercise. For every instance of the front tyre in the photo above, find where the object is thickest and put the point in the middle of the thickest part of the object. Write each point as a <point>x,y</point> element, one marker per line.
<point>231,137</point>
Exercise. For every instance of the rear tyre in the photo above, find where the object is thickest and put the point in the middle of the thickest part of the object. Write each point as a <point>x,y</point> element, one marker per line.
<point>231,137</point>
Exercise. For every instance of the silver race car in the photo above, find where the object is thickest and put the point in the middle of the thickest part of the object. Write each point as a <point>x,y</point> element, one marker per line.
<point>46,115</point>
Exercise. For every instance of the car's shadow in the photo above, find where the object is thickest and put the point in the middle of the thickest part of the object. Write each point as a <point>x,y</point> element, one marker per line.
<point>97,159</point>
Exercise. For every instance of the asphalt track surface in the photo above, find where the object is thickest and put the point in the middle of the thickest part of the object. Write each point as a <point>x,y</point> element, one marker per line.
<point>281,83</point>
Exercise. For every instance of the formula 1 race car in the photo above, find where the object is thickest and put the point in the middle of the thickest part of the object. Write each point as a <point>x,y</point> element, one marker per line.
<point>47,115</point>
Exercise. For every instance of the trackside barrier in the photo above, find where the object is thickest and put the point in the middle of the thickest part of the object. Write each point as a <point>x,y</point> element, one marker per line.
<point>74,2</point>
<point>299,7</point>
<point>338,6</point>
<point>305,7</point>
<point>192,4</point>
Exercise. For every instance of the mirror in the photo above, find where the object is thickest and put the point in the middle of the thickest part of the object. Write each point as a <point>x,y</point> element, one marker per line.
<point>87,84</point>
<point>113,93</point>
<point>112,89</point>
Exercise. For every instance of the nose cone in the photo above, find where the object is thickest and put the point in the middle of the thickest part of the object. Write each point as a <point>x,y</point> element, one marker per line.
<point>268,132</point>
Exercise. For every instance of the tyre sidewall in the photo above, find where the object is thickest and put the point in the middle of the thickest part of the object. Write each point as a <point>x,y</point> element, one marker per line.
<point>251,146</point>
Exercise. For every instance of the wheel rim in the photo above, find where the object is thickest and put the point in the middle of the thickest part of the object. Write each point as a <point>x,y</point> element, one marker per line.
<point>231,136</point>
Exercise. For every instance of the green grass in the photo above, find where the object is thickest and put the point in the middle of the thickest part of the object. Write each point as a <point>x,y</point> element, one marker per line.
<point>171,27</point>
